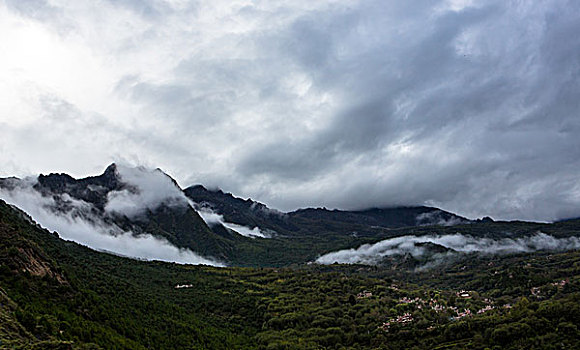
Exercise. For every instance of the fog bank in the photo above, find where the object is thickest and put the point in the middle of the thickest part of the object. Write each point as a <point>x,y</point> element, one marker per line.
<point>81,225</point>
<point>372,254</point>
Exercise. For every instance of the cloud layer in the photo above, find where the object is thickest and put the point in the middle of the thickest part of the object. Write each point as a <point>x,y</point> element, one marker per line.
<point>148,190</point>
<point>470,106</point>
<point>372,254</point>
<point>212,218</point>
<point>80,226</point>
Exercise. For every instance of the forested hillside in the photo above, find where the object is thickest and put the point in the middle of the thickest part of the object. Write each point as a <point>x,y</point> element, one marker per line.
<point>58,294</point>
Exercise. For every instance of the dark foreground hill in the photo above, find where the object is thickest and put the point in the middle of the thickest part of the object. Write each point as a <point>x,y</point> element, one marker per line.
<point>60,295</point>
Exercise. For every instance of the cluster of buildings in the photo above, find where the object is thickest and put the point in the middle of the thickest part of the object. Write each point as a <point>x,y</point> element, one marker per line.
<point>404,319</point>
<point>485,309</point>
<point>364,294</point>
<point>405,300</point>
<point>439,307</point>
<point>464,294</point>
<point>464,313</point>
<point>433,304</point>
<point>561,283</point>
<point>537,291</point>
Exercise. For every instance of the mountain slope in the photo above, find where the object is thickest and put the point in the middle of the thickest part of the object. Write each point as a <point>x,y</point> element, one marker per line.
<point>313,221</point>
<point>103,301</point>
<point>142,203</point>
<point>133,200</point>
<point>144,214</point>
<point>239,211</point>
<point>91,297</point>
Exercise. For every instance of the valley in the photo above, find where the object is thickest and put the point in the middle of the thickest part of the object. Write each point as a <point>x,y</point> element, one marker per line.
<point>89,300</point>
<point>392,278</point>
<point>289,175</point>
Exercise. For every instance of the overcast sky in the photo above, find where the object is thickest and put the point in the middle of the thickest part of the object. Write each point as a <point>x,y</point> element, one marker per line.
<point>472,106</point>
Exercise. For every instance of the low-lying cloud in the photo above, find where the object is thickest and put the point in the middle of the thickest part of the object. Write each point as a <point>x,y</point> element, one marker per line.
<point>147,190</point>
<point>212,218</point>
<point>373,254</point>
<point>78,225</point>
<point>436,218</point>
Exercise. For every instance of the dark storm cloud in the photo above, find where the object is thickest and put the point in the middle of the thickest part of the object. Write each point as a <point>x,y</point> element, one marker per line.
<point>372,81</point>
<point>496,108</point>
<point>471,106</point>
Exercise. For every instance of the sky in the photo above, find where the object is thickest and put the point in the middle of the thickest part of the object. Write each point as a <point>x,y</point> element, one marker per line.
<point>471,106</point>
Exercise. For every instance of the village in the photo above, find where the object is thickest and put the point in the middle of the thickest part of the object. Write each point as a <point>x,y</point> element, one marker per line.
<point>469,300</point>
<point>467,304</point>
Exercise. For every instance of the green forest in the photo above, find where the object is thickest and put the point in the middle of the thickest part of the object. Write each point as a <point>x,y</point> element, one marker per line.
<point>61,295</point>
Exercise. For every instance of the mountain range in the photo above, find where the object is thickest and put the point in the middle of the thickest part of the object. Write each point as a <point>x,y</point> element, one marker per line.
<point>143,213</point>
<point>91,264</point>
<point>57,294</point>
<point>236,231</point>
